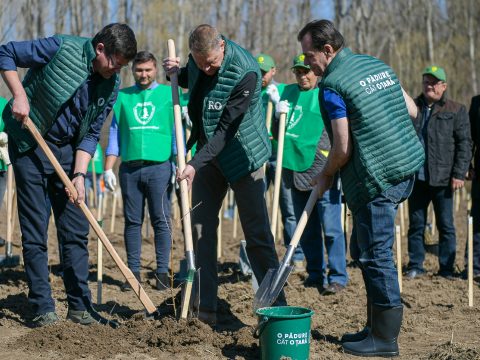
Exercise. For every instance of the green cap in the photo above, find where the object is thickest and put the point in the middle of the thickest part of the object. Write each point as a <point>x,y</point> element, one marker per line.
<point>298,62</point>
<point>436,71</point>
<point>265,62</point>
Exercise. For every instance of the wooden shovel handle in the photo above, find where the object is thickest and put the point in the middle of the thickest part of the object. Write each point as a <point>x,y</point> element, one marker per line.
<point>127,273</point>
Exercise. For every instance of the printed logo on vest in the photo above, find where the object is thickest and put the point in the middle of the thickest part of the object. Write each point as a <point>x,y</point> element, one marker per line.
<point>295,117</point>
<point>101,101</point>
<point>144,112</point>
<point>214,105</point>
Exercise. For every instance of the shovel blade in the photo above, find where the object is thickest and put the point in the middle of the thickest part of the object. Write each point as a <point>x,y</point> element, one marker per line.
<point>271,286</point>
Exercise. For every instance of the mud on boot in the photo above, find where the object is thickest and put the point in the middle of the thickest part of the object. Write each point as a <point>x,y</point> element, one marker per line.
<point>382,336</point>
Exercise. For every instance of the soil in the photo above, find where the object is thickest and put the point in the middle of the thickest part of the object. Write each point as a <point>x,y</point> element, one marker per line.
<point>438,323</point>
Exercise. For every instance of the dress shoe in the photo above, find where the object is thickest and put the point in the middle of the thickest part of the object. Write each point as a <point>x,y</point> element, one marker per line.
<point>413,273</point>
<point>332,289</point>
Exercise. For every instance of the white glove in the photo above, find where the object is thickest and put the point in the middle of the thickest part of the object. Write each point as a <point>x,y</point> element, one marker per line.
<point>110,179</point>
<point>3,138</point>
<point>282,108</point>
<point>186,117</point>
<point>272,92</point>
<point>4,154</point>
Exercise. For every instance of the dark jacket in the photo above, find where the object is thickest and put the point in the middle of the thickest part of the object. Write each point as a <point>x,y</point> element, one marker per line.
<point>474,114</point>
<point>449,148</point>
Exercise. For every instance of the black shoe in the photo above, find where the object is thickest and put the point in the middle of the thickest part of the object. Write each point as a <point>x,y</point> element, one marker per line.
<point>382,337</point>
<point>163,281</point>
<point>413,273</point>
<point>312,282</point>
<point>333,289</point>
<point>126,285</point>
<point>449,275</point>
<point>362,334</point>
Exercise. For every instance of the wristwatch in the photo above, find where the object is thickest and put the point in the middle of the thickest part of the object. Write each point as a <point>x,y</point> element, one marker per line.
<point>79,174</point>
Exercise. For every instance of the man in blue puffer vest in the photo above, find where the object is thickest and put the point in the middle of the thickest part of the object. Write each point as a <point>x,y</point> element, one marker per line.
<point>68,92</point>
<point>228,125</point>
<point>368,118</point>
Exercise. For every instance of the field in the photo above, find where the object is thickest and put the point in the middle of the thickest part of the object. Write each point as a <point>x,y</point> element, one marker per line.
<point>438,323</point>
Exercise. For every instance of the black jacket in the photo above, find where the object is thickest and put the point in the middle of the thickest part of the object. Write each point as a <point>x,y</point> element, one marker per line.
<point>449,148</point>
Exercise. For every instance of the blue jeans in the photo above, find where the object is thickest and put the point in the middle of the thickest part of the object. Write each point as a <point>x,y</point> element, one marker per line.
<point>442,199</point>
<point>371,244</point>
<point>286,205</point>
<point>37,182</point>
<point>326,216</point>
<point>150,183</point>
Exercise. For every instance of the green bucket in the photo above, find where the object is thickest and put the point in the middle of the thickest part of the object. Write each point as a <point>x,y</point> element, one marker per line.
<point>284,332</point>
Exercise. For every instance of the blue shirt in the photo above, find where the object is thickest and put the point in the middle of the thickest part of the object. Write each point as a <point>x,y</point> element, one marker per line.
<point>38,53</point>
<point>334,105</point>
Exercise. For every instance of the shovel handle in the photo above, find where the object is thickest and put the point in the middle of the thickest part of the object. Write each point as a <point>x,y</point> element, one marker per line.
<point>312,199</point>
<point>127,273</point>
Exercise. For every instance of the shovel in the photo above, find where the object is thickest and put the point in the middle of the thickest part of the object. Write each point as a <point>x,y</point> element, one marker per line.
<point>9,260</point>
<point>127,273</point>
<point>275,279</point>
<point>187,224</point>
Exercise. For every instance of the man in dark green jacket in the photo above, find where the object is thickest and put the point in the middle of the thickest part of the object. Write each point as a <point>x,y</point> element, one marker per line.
<point>228,125</point>
<point>374,145</point>
<point>68,92</point>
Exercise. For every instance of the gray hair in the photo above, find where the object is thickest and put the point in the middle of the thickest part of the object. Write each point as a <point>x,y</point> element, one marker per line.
<point>204,38</point>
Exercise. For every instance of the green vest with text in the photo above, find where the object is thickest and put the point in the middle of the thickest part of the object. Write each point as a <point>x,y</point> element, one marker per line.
<point>250,147</point>
<point>304,126</point>
<point>386,149</point>
<point>3,103</point>
<point>265,100</point>
<point>49,87</point>
<point>145,122</point>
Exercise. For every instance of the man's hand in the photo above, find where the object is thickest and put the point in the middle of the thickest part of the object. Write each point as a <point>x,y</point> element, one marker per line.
<point>79,184</point>
<point>324,183</point>
<point>187,174</point>
<point>110,180</point>
<point>171,65</point>
<point>20,109</point>
<point>457,184</point>
<point>273,94</point>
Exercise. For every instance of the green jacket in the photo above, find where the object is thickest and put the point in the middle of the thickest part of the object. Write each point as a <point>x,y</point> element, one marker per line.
<point>250,147</point>
<point>386,149</point>
<point>48,88</point>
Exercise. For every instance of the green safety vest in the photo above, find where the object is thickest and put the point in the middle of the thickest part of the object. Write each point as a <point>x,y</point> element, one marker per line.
<point>304,126</point>
<point>3,103</point>
<point>385,147</point>
<point>145,122</point>
<point>49,87</point>
<point>265,99</point>
<point>97,161</point>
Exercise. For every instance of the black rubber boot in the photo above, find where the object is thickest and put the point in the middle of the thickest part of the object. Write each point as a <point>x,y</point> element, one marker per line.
<point>362,334</point>
<point>126,285</point>
<point>382,337</point>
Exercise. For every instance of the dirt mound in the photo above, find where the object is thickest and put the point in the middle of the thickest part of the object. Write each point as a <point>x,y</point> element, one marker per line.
<point>453,351</point>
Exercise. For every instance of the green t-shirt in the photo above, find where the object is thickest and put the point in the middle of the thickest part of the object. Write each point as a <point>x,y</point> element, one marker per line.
<point>3,103</point>
<point>304,126</point>
<point>145,122</point>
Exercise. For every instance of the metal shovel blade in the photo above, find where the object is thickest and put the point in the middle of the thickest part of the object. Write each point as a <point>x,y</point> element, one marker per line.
<point>271,286</point>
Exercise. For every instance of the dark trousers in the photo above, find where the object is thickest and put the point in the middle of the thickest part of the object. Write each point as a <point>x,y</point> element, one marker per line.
<point>150,183</point>
<point>475,213</point>
<point>371,244</point>
<point>209,189</point>
<point>442,199</point>
<point>36,180</point>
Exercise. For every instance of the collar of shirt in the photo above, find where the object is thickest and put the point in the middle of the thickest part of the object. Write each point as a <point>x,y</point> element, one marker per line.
<point>152,86</point>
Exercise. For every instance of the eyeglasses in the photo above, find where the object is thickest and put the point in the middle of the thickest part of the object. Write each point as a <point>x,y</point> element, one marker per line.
<point>433,83</point>
<point>115,63</point>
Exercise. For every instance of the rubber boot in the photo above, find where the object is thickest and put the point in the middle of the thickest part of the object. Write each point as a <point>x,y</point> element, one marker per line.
<point>382,337</point>
<point>362,334</point>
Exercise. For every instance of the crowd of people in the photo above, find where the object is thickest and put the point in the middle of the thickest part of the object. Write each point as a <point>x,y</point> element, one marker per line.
<point>338,140</point>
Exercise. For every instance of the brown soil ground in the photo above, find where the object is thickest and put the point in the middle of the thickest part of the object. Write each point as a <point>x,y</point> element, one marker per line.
<point>438,323</point>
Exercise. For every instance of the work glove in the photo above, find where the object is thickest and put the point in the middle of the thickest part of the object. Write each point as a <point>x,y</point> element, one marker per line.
<point>4,148</point>
<point>281,108</point>
<point>186,117</point>
<point>273,94</point>
<point>110,179</point>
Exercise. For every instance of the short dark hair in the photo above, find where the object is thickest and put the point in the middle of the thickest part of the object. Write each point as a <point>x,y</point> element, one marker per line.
<point>118,39</point>
<point>143,57</point>
<point>204,38</point>
<point>322,32</point>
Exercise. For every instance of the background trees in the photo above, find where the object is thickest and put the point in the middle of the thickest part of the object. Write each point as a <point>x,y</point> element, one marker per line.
<point>407,34</point>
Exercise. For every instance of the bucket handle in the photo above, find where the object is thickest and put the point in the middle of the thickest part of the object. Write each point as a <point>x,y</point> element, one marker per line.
<point>260,327</point>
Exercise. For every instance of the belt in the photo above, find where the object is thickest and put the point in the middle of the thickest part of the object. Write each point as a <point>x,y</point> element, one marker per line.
<point>137,163</point>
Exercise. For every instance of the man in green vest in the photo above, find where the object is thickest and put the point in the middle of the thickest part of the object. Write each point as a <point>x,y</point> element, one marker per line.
<point>141,134</point>
<point>306,149</point>
<point>4,158</point>
<point>224,83</point>
<point>368,117</point>
<point>69,90</point>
